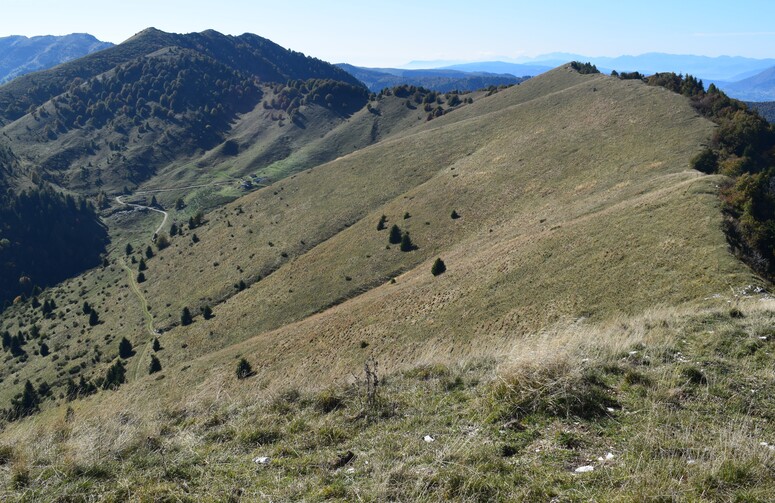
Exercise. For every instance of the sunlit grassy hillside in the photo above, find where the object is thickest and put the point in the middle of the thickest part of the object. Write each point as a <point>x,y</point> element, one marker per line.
<point>575,209</point>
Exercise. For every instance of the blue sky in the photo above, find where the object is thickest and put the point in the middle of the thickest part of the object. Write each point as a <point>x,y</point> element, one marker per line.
<point>394,32</point>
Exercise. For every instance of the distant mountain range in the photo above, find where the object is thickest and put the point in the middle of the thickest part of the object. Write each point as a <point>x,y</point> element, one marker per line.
<point>21,55</point>
<point>721,68</point>
<point>743,78</point>
<point>442,80</point>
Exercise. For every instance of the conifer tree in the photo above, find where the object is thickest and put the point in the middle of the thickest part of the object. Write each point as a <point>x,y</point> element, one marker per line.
<point>44,389</point>
<point>115,376</point>
<point>438,267</point>
<point>156,344</point>
<point>94,318</point>
<point>155,365</point>
<point>207,312</point>
<point>16,345</point>
<point>406,243</point>
<point>125,349</point>
<point>27,403</point>
<point>162,241</point>
<point>185,317</point>
<point>395,235</point>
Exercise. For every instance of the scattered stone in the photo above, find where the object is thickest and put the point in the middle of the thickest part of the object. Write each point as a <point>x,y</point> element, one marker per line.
<point>515,425</point>
<point>343,460</point>
<point>261,460</point>
<point>429,439</point>
<point>608,457</point>
<point>585,469</point>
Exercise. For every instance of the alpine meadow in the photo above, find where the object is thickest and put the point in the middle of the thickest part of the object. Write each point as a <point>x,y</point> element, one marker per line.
<point>233,272</point>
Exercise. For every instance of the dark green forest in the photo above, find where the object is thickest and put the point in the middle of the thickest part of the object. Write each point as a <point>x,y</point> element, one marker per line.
<point>45,237</point>
<point>182,88</point>
<point>765,108</point>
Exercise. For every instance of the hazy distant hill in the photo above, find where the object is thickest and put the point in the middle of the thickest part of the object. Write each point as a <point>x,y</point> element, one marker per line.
<point>20,55</point>
<point>442,80</point>
<point>722,68</point>
<point>704,67</point>
<point>503,67</point>
<point>760,87</point>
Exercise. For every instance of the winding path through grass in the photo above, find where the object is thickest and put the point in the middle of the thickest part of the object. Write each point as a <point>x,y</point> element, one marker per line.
<point>149,326</point>
<point>152,331</point>
<point>140,206</point>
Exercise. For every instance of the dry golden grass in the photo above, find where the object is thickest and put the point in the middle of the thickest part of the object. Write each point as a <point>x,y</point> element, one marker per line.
<point>202,445</point>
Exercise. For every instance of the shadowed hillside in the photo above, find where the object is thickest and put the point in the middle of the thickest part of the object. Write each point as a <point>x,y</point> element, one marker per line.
<point>765,108</point>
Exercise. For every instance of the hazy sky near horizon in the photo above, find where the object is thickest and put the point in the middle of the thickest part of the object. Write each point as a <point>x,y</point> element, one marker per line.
<point>392,33</point>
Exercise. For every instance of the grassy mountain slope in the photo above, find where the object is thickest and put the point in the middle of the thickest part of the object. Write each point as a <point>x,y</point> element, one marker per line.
<point>543,221</point>
<point>623,399</point>
<point>512,280</point>
<point>577,211</point>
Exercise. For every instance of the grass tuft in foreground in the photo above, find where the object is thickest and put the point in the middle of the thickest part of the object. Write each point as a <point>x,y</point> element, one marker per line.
<point>669,406</point>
